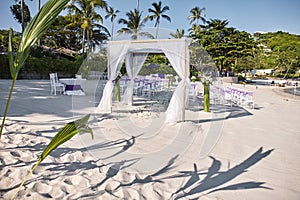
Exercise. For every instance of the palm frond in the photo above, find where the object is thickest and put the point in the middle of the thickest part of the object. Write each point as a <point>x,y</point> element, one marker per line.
<point>166,17</point>
<point>66,133</point>
<point>11,57</point>
<point>33,32</point>
<point>146,34</point>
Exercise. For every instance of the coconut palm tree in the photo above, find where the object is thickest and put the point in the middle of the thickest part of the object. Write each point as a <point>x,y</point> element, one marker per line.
<point>112,14</point>
<point>87,17</point>
<point>196,14</point>
<point>178,34</point>
<point>21,13</point>
<point>134,24</point>
<point>217,24</point>
<point>158,13</point>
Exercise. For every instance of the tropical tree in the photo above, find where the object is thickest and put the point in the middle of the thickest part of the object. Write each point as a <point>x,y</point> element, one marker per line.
<point>178,34</point>
<point>21,13</point>
<point>227,46</point>
<point>196,14</point>
<point>112,14</point>
<point>195,30</point>
<point>157,13</point>
<point>62,33</point>
<point>134,23</point>
<point>4,35</point>
<point>216,24</point>
<point>87,17</point>
<point>281,52</point>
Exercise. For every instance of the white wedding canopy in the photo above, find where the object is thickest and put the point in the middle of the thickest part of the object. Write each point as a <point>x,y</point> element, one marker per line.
<point>135,52</point>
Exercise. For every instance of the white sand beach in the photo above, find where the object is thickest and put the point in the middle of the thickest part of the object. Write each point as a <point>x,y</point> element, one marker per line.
<point>237,153</point>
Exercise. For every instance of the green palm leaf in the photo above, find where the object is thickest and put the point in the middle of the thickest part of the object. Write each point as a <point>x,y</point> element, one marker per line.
<point>65,134</point>
<point>33,32</point>
<point>10,53</point>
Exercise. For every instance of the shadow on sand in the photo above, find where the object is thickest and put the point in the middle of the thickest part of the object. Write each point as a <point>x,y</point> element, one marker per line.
<point>214,179</point>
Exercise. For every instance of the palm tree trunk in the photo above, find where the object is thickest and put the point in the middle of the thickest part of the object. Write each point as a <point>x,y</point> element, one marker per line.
<point>22,15</point>
<point>88,41</point>
<point>156,34</point>
<point>83,32</point>
<point>135,34</point>
<point>137,4</point>
<point>112,30</point>
<point>287,71</point>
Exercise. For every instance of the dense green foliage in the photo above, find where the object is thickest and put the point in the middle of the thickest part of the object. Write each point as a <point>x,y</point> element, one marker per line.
<point>227,46</point>
<point>62,33</point>
<point>4,40</point>
<point>39,68</point>
<point>89,21</point>
<point>161,61</point>
<point>281,52</point>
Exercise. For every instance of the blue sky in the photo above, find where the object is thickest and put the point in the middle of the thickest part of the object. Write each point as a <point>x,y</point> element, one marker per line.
<point>244,15</point>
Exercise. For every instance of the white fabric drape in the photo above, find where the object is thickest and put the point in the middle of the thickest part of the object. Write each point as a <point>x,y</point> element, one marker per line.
<point>176,50</point>
<point>134,62</point>
<point>116,55</point>
<point>178,55</point>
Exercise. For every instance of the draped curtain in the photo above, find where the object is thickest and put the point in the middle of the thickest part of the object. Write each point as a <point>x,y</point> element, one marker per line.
<point>178,55</point>
<point>116,55</point>
<point>134,62</point>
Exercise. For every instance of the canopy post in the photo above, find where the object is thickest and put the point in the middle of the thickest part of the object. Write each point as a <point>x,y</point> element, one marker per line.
<point>184,95</point>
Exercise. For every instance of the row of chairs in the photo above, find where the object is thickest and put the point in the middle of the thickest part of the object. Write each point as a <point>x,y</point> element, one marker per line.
<point>231,95</point>
<point>148,87</point>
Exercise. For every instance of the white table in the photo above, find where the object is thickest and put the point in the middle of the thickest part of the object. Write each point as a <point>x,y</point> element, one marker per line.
<point>73,86</point>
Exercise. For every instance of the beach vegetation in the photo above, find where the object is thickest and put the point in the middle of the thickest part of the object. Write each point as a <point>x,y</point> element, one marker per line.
<point>39,67</point>
<point>197,14</point>
<point>90,21</point>
<point>226,45</point>
<point>134,24</point>
<point>233,51</point>
<point>157,13</point>
<point>112,14</point>
<point>21,13</point>
<point>178,34</point>
<point>279,51</point>
<point>63,33</point>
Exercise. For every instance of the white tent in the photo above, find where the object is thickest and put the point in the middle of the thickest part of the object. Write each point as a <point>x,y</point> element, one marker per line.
<point>135,52</point>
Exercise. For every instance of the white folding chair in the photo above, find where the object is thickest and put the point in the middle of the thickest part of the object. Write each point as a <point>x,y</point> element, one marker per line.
<point>56,86</point>
<point>247,99</point>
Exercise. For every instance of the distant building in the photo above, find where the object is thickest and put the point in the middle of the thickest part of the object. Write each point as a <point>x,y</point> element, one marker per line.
<point>261,72</point>
<point>264,48</point>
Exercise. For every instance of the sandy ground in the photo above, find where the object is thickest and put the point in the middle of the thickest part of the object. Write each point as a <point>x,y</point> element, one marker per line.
<point>230,153</point>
